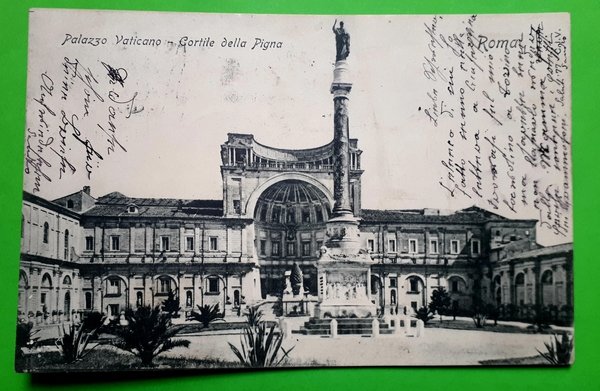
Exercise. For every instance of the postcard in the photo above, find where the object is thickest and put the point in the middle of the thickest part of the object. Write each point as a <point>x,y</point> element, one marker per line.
<point>223,190</point>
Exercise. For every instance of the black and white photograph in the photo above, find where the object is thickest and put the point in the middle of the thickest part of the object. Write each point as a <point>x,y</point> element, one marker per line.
<point>250,191</point>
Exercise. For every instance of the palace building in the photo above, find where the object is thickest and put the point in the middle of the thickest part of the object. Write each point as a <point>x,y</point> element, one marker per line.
<point>82,253</point>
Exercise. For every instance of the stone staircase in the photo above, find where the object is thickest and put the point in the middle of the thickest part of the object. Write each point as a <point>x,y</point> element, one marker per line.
<point>346,326</point>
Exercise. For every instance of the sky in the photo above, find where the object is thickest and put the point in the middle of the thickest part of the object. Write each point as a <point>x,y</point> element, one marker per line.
<point>193,96</point>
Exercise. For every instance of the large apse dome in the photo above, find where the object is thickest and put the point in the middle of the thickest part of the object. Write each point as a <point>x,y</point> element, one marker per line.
<point>290,221</point>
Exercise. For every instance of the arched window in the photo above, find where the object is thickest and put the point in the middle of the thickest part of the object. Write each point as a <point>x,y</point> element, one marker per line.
<point>113,286</point>
<point>520,289</point>
<point>163,285</point>
<point>456,285</point>
<point>23,281</point>
<point>139,299</point>
<point>46,281</point>
<point>547,278</point>
<point>46,232</point>
<point>67,280</point>
<point>520,280</point>
<point>414,285</point>
<point>548,294</point>
<point>66,244</point>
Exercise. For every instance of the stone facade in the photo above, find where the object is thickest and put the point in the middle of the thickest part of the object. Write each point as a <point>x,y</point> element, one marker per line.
<point>81,253</point>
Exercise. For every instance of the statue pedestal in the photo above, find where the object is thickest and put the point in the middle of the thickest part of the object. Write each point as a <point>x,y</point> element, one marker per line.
<point>344,274</point>
<point>344,284</point>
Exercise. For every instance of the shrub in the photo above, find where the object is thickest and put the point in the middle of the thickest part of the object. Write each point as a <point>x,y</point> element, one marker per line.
<point>424,314</point>
<point>171,304</point>
<point>540,318</point>
<point>492,312</point>
<point>479,319</point>
<point>207,314</point>
<point>296,279</point>
<point>261,347</point>
<point>73,342</point>
<point>558,351</point>
<point>93,321</point>
<point>148,333</point>
<point>25,336</point>
<point>440,301</point>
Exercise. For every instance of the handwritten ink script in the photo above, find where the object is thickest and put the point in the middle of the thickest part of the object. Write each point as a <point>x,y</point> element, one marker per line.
<point>74,120</point>
<point>499,101</point>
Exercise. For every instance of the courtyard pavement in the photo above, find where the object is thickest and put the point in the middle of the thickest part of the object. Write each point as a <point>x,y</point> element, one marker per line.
<point>436,347</point>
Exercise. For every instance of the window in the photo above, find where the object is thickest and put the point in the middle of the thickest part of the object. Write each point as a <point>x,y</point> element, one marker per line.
<point>213,244</point>
<point>413,285</point>
<point>291,216</point>
<point>454,286</point>
<point>113,310</point>
<point>306,216</point>
<point>164,243</point>
<point>67,280</point>
<point>189,243</point>
<point>319,214</point>
<point>412,246</point>
<point>89,243</point>
<point>291,248</point>
<point>88,300</point>
<point>46,232</point>
<point>22,226</point>
<point>371,245</point>
<point>475,248</point>
<point>237,208</point>
<point>392,245</point>
<point>132,209</point>
<point>139,299</point>
<point>263,247</point>
<point>454,247</point>
<point>433,246</point>
<point>213,285</point>
<point>114,243</point>
<point>275,248</point>
<point>113,287</point>
<point>66,244</point>
<point>164,285</point>
<point>393,282</point>
<point>70,204</point>
<point>305,249</point>
<point>275,214</point>
<point>263,214</point>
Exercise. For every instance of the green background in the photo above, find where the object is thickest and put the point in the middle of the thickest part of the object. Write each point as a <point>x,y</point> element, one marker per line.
<point>584,374</point>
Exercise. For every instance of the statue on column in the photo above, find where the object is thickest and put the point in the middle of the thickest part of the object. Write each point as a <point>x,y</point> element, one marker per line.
<point>342,41</point>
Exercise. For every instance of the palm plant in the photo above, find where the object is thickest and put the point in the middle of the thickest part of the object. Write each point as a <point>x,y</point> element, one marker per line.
<point>74,341</point>
<point>149,332</point>
<point>424,314</point>
<point>253,316</point>
<point>206,314</point>
<point>261,347</point>
<point>558,352</point>
<point>171,304</point>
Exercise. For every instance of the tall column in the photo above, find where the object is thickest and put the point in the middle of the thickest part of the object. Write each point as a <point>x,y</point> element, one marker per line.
<point>340,88</point>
